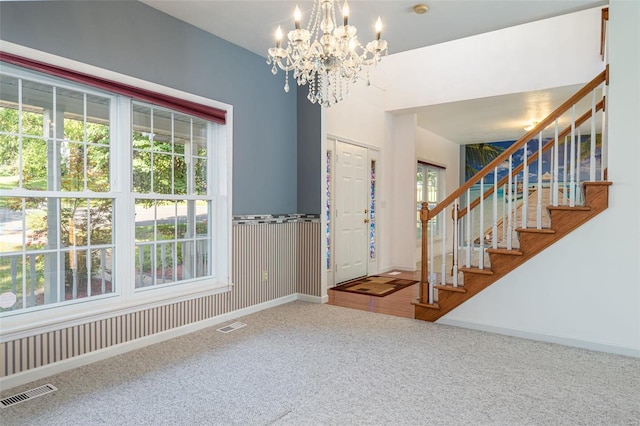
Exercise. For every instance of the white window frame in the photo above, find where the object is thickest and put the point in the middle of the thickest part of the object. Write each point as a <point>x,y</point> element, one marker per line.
<point>441,170</point>
<point>125,298</point>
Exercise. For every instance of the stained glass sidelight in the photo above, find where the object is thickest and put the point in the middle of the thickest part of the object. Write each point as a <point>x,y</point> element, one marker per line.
<point>328,212</point>
<point>372,213</point>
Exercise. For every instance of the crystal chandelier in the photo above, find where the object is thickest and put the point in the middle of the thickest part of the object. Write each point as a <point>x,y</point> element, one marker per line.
<point>325,56</point>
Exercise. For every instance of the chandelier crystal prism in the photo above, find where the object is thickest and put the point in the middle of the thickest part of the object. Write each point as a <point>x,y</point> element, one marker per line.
<point>325,56</point>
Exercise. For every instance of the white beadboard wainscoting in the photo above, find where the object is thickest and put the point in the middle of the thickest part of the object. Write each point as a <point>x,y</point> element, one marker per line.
<point>275,260</point>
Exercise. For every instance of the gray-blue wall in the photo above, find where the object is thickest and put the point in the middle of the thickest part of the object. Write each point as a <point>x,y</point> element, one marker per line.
<point>309,154</point>
<point>132,38</point>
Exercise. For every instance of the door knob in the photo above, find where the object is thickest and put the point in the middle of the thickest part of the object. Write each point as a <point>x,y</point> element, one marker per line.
<point>366,221</point>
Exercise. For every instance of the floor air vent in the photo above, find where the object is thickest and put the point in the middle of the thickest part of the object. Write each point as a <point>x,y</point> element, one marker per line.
<point>231,327</point>
<point>25,396</point>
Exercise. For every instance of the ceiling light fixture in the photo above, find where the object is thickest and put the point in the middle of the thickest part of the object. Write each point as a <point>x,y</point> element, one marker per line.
<point>420,9</point>
<point>325,56</point>
<point>531,126</point>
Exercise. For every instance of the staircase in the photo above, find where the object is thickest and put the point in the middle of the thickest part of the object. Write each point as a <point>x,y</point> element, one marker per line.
<point>498,220</point>
<point>564,219</point>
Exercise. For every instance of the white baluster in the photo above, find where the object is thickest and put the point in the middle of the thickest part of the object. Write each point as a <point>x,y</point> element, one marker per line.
<point>592,151</point>
<point>456,243</point>
<point>481,227</point>
<point>432,274</point>
<point>525,186</point>
<point>515,200</point>
<point>604,157</point>
<point>539,205</point>
<point>510,204</point>
<point>505,196</point>
<point>572,159</point>
<point>564,173</point>
<point>443,278</point>
<point>494,231</point>
<point>468,231</point>
<point>554,179</point>
<point>578,154</point>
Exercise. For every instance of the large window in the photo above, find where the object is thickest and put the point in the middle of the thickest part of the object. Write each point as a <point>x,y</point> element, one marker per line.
<point>102,196</point>
<point>429,188</point>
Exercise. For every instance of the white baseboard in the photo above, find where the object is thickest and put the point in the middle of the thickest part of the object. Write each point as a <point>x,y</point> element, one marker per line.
<point>28,376</point>
<point>541,337</point>
<point>312,299</point>
<point>398,268</point>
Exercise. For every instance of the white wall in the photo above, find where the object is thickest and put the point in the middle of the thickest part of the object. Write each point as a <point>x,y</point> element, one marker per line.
<point>403,141</point>
<point>556,52</point>
<point>361,119</point>
<point>437,150</point>
<point>585,289</point>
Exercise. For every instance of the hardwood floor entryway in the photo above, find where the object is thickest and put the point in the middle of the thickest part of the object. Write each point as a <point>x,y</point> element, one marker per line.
<point>397,304</point>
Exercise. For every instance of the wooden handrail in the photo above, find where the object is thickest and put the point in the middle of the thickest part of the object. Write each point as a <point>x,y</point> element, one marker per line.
<point>603,30</point>
<point>548,145</point>
<point>599,79</point>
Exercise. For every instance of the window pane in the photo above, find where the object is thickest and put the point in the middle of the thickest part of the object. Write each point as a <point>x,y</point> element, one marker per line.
<point>72,166</point>
<point>9,161</point>
<point>166,227</point>
<point>75,222</point>
<point>162,176</point>
<point>162,133</point>
<point>70,104</point>
<point>202,218</point>
<point>202,257</point>
<point>186,259</point>
<point>200,170</point>
<point>8,104</point>
<point>145,217</point>
<point>199,137</point>
<point>37,109</point>
<point>101,221</point>
<point>37,288</point>
<point>98,120</point>
<point>11,278</point>
<point>98,168</point>
<point>35,163</point>
<point>75,274</point>
<point>11,224</point>
<point>164,262</point>
<point>180,175</point>
<point>143,265</point>
<point>141,171</point>
<point>101,271</point>
<point>141,123</point>
<point>185,226</point>
<point>37,231</point>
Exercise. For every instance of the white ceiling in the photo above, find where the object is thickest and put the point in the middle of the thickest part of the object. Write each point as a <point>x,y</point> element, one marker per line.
<point>251,24</point>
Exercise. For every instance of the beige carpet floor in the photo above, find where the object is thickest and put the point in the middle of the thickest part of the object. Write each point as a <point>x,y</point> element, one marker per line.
<point>308,364</point>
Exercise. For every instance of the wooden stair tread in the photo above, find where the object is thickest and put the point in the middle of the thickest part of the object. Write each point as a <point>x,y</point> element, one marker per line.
<point>426,305</point>
<point>598,183</point>
<point>569,208</point>
<point>536,230</point>
<point>450,287</point>
<point>476,271</point>
<point>506,251</point>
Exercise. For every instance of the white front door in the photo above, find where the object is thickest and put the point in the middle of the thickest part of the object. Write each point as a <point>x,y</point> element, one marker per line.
<point>351,189</point>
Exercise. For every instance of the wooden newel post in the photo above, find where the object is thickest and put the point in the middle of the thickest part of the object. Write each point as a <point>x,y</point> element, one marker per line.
<point>424,262</point>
